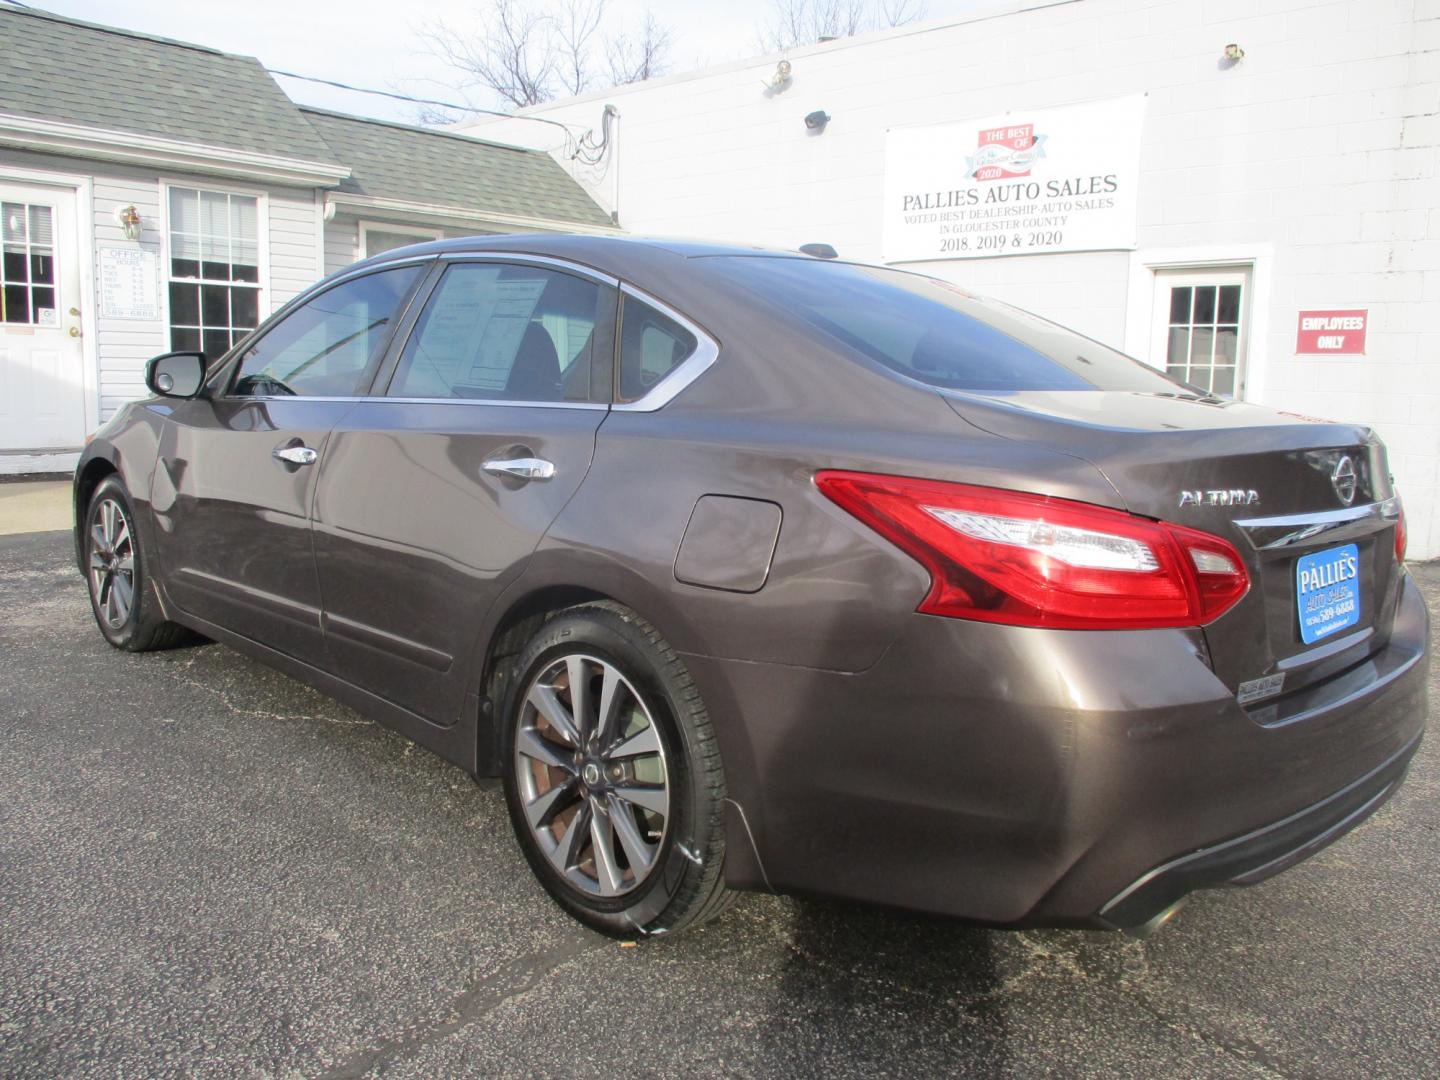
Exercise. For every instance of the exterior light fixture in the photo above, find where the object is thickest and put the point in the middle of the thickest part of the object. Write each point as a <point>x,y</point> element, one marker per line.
<point>816,121</point>
<point>128,218</point>
<point>781,79</point>
<point>1234,53</point>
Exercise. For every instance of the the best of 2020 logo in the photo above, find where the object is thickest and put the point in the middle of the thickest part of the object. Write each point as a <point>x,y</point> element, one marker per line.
<point>1005,152</point>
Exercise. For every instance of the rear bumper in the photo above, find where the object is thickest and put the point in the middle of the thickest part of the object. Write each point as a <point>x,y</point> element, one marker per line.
<point>1026,777</point>
<point>1262,853</point>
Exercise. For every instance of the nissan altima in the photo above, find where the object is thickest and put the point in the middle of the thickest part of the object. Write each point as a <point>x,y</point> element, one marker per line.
<point>751,570</point>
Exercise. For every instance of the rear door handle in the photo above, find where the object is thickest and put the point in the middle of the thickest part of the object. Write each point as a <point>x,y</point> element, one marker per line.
<point>295,455</point>
<point>522,468</point>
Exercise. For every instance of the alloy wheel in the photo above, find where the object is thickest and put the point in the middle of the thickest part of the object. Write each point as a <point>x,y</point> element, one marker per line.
<point>592,775</point>
<point>112,562</point>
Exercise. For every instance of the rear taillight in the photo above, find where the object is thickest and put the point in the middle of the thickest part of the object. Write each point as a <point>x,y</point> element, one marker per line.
<point>1011,557</point>
<point>1400,538</point>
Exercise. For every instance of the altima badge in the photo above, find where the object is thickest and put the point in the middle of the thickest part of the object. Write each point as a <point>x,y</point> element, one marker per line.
<point>1220,497</point>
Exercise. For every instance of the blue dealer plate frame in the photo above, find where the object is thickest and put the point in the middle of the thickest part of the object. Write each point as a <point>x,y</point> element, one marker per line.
<point>1327,592</point>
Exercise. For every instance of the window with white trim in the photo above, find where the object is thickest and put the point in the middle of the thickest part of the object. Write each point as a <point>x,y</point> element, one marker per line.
<point>1201,327</point>
<point>375,239</point>
<point>214,269</point>
<point>27,271</point>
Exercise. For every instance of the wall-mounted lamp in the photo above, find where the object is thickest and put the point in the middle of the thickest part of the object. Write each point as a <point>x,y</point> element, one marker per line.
<point>815,122</point>
<point>1234,53</point>
<point>780,80</point>
<point>128,218</point>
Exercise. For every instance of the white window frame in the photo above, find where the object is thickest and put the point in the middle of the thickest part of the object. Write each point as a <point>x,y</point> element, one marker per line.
<point>262,235</point>
<point>1194,277</point>
<point>1258,259</point>
<point>421,234</point>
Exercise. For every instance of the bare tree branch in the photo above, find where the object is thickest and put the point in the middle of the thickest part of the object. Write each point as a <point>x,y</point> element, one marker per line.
<point>635,59</point>
<point>899,12</point>
<point>513,54</point>
<point>575,25</point>
<point>527,51</point>
<point>804,22</point>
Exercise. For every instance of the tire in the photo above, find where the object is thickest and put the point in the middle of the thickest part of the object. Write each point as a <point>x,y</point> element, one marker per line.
<point>643,777</point>
<point>124,606</point>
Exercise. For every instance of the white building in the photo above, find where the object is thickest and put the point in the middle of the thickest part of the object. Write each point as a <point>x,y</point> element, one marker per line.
<point>1299,178</point>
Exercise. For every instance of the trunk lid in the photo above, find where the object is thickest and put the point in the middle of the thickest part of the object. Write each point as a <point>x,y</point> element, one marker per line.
<point>1264,480</point>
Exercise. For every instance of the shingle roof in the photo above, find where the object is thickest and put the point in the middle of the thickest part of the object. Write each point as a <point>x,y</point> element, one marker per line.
<point>98,76</point>
<point>394,161</point>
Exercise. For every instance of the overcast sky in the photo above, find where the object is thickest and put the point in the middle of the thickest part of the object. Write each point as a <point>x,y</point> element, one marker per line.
<point>378,45</point>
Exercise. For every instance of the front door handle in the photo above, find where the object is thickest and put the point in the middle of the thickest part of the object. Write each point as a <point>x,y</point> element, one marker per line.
<point>295,455</point>
<point>522,468</point>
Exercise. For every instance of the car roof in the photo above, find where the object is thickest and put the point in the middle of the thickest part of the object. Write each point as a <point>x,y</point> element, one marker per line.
<point>611,254</point>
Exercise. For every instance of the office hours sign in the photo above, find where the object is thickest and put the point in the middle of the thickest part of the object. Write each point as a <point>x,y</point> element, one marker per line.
<point>1019,183</point>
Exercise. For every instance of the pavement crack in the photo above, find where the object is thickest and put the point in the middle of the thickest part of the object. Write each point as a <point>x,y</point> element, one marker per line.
<point>1245,1051</point>
<point>509,981</point>
<point>177,675</point>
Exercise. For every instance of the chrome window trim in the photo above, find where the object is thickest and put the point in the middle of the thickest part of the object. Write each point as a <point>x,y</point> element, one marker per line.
<point>706,352</point>
<point>1332,524</point>
<point>369,398</point>
<point>540,260</point>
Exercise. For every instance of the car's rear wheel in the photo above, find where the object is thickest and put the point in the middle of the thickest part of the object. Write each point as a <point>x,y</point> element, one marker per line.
<point>613,778</point>
<point>125,610</point>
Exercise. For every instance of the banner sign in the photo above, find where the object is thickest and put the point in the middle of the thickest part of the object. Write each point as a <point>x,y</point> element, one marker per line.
<point>1337,332</point>
<point>1021,183</point>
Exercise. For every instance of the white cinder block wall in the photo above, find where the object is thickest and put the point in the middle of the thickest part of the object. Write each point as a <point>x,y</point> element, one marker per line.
<point>1314,160</point>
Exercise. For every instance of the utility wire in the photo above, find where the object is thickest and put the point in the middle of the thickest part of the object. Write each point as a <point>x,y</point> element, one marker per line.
<point>415,100</point>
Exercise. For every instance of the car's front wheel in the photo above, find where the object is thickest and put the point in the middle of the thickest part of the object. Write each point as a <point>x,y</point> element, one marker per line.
<point>125,610</point>
<point>612,775</point>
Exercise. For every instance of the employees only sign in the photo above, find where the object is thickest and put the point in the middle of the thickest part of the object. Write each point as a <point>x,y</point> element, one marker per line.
<point>1041,180</point>
<point>1339,332</point>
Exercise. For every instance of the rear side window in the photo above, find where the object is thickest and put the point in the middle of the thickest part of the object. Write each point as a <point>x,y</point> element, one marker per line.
<point>504,332</point>
<point>331,344</point>
<point>938,333</point>
<point>652,345</point>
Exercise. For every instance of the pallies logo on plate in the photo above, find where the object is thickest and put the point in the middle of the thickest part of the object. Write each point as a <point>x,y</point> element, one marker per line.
<point>1005,152</point>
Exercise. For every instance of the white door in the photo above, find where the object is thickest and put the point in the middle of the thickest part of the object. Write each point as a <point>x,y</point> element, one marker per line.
<point>1201,326</point>
<point>42,383</point>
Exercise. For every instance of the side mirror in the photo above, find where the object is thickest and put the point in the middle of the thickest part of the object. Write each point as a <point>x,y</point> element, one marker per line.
<point>176,374</point>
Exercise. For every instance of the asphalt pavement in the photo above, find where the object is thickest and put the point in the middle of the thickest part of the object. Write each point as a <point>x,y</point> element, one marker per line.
<point>207,869</point>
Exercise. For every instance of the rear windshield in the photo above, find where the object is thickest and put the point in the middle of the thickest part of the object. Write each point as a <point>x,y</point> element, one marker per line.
<point>938,333</point>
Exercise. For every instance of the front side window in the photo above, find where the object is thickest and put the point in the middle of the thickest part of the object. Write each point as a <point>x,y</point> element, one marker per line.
<point>214,269</point>
<point>331,344</point>
<point>652,345</point>
<point>504,332</point>
<point>27,271</point>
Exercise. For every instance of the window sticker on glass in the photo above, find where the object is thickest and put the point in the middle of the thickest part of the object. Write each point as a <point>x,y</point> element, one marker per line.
<point>474,326</point>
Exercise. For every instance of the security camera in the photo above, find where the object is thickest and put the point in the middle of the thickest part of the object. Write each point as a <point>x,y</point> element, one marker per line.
<point>817,120</point>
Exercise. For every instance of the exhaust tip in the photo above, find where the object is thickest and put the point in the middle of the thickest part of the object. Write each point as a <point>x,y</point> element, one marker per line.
<point>1153,924</point>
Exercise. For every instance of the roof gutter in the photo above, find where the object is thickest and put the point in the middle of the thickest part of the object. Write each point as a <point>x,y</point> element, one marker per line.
<point>362,205</point>
<point>76,140</point>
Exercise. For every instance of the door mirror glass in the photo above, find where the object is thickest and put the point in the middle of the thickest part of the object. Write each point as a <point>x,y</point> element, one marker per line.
<point>176,374</point>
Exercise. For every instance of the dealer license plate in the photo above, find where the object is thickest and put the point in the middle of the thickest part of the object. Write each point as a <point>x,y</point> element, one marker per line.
<point>1327,592</point>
